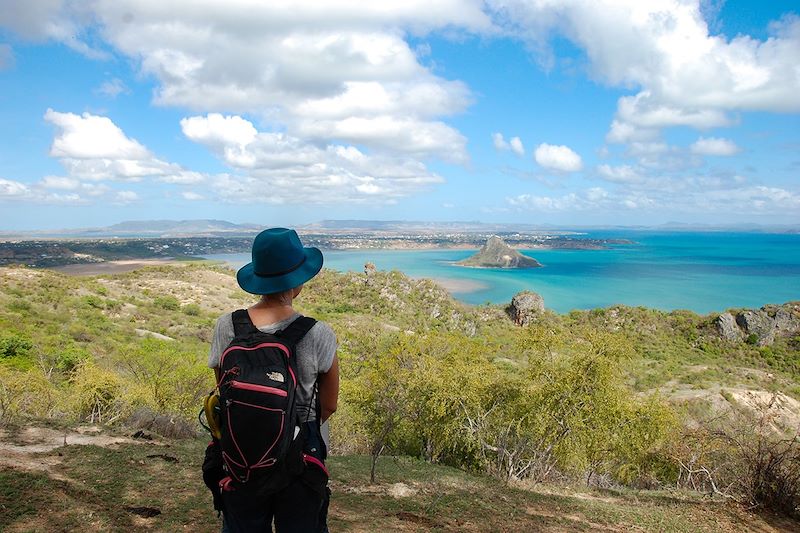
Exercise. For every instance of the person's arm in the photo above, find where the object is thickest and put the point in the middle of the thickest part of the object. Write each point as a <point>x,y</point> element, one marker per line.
<point>328,384</point>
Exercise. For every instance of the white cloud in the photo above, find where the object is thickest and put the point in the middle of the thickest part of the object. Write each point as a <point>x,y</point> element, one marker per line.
<point>93,148</point>
<point>336,71</point>
<point>10,189</point>
<point>714,146</point>
<point>557,157</point>
<point>91,137</point>
<point>619,174</point>
<point>229,130</point>
<point>516,146</point>
<point>688,197</point>
<point>333,71</point>
<point>280,168</point>
<point>60,182</point>
<point>663,49</point>
<point>192,196</point>
<point>112,88</point>
<point>499,142</point>
<point>420,139</point>
<point>41,193</point>
<point>595,198</point>
<point>125,197</point>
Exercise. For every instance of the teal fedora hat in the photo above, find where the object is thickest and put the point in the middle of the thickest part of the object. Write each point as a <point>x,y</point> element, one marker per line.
<point>280,262</point>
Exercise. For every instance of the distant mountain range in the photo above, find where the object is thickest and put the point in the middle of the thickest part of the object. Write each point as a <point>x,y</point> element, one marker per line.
<point>222,228</point>
<point>148,229</point>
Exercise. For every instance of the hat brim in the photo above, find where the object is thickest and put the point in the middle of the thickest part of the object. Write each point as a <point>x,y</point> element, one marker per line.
<point>255,284</point>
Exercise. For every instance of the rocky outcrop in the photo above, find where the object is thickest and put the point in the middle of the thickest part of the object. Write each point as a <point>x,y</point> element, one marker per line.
<point>497,254</point>
<point>760,326</point>
<point>728,329</point>
<point>369,272</point>
<point>525,307</point>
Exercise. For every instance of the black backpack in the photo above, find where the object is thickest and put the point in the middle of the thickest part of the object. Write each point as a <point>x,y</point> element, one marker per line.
<point>260,433</point>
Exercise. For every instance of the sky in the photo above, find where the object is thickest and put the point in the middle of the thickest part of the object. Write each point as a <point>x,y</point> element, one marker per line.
<point>564,112</point>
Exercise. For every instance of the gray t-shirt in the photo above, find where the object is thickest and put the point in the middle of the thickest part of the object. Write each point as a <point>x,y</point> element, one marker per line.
<point>314,354</point>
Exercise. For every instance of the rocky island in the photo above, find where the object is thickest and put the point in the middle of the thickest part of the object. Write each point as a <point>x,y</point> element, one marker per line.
<point>497,254</point>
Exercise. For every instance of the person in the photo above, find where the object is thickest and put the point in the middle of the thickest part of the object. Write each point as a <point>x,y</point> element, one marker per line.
<point>279,268</point>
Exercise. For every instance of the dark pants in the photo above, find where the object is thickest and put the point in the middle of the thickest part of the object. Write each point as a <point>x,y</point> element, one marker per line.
<point>301,507</point>
<point>295,509</point>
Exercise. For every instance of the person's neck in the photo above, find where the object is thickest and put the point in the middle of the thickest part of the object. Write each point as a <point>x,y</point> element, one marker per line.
<point>266,312</point>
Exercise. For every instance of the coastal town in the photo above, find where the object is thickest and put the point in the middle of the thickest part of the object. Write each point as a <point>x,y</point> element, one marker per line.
<point>54,251</point>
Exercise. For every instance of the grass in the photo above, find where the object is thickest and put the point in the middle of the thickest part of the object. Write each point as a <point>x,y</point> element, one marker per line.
<point>101,489</point>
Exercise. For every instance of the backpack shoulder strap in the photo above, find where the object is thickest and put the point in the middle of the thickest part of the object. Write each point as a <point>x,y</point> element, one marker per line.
<point>242,323</point>
<point>297,329</point>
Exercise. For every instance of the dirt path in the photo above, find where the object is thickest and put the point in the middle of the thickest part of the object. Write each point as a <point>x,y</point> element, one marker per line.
<point>27,449</point>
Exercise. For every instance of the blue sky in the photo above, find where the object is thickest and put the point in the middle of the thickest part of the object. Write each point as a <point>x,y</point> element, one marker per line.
<point>570,112</point>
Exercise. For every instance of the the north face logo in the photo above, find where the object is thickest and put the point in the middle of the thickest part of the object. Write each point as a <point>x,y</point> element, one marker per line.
<point>276,376</point>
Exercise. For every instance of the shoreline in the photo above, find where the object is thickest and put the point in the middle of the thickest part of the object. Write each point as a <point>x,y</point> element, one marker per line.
<point>459,286</point>
<point>110,267</point>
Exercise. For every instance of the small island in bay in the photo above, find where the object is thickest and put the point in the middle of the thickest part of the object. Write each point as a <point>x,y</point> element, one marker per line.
<point>497,254</point>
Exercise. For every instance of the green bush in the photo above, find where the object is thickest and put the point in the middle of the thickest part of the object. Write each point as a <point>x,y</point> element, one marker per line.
<point>96,394</point>
<point>168,303</point>
<point>27,394</point>
<point>71,357</point>
<point>191,309</point>
<point>13,345</point>
<point>95,302</point>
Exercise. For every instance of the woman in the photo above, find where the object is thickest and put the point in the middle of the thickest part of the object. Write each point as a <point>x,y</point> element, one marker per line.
<point>280,267</point>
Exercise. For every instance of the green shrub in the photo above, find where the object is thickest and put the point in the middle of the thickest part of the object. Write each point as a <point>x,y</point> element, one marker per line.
<point>19,306</point>
<point>95,393</point>
<point>191,309</point>
<point>26,394</point>
<point>70,358</point>
<point>14,345</point>
<point>95,302</point>
<point>168,303</point>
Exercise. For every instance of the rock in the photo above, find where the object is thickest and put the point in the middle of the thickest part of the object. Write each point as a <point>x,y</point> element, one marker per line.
<point>525,307</point>
<point>769,322</point>
<point>401,490</point>
<point>369,271</point>
<point>497,254</point>
<point>153,334</point>
<point>728,329</point>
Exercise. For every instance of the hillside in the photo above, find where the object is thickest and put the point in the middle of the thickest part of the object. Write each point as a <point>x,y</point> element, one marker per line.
<point>154,485</point>
<point>495,253</point>
<point>635,388</point>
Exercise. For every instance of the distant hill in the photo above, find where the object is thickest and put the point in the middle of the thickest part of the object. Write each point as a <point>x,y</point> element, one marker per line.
<point>497,254</point>
<point>169,228</point>
<point>150,229</point>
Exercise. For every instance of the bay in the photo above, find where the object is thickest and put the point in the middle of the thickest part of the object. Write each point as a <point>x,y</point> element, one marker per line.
<point>702,272</point>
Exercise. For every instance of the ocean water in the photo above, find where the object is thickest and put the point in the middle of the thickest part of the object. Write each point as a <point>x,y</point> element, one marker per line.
<point>702,272</point>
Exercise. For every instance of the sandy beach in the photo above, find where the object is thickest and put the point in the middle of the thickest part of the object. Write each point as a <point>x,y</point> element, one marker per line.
<point>109,267</point>
<point>455,285</point>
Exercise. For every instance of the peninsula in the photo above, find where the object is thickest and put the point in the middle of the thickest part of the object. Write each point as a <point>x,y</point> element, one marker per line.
<point>497,254</point>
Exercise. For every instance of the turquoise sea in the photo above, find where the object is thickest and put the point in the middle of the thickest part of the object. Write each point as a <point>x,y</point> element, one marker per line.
<point>702,272</point>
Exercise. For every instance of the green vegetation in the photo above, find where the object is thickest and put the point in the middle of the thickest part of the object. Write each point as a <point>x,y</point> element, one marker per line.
<point>604,398</point>
<point>109,489</point>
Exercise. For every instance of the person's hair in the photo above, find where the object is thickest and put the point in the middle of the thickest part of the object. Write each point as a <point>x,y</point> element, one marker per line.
<point>283,297</point>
